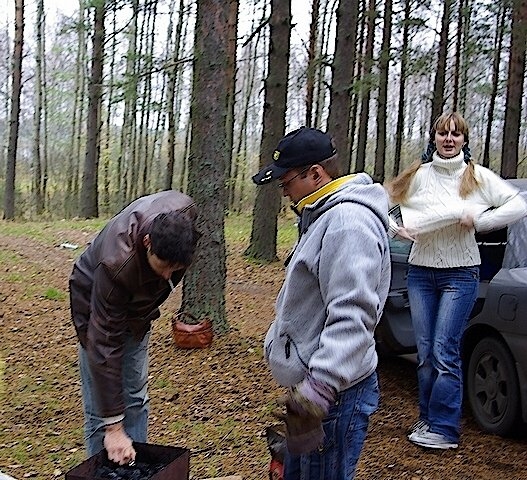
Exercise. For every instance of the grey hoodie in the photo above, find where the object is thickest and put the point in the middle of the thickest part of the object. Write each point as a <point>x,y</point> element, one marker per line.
<point>335,288</point>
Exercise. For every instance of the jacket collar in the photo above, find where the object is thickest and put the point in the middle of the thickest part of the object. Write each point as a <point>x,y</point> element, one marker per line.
<point>324,191</point>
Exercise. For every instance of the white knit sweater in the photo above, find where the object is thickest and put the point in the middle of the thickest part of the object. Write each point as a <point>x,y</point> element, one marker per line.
<point>434,208</point>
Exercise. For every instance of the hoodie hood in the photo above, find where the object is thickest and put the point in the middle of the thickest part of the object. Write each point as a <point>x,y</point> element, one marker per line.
<point>358,188</point>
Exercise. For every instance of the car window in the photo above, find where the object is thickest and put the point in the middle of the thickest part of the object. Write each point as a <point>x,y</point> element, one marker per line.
<point>516,250</point>
<point>400,246</point>
<point>397,245</point>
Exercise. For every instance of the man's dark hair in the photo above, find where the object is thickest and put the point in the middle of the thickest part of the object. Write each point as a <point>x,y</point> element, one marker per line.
<point>174,238</point>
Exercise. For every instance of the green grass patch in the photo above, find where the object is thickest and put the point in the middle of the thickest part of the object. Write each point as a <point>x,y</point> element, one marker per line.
<point>14,277</point>
<point>178,426</point>
<point>7,256</point>
<point>54,294</point>
<point>287,230</point>
<point>237,230</point>
<point>50,232</point>
<point>163,383</point>
<point>267,409</point>
<point>19,453</point>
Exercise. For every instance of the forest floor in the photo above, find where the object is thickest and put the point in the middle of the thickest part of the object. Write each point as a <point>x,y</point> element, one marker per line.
<point>215,402</point>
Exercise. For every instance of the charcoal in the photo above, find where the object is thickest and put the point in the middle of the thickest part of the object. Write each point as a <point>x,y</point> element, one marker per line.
<point>152,462</point>
<point>140,471</point>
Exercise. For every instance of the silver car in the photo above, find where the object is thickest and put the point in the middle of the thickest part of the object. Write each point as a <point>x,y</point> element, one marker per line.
<point>495,342</point>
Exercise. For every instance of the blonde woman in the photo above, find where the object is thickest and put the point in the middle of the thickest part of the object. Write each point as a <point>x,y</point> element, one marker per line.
<point>444,199</point>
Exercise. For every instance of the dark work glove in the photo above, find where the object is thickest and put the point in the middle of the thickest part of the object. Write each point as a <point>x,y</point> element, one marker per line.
<point>310,397</point>
<point>303,434</point>
<point>307,404</point>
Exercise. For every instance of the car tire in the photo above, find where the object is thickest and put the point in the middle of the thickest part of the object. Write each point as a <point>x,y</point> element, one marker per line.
<point>492,387</point>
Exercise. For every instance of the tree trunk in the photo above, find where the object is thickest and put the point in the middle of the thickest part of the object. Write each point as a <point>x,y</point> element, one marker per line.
<point>366,86</point>
<point>267,203</point>
<point>72,169</point>
<point>402,90</point>
<point>312,55</point>
<point>498,42</point>
<point>141,138</point>
<point>106,155</point>
<point>513,103</point>
<point>125,162</point>
<point>321,86</point>
<point>382,102</point>
<point>183,130</point>
<point>342,71</point>
<point>231,75</point>
<point>14,121</point>
<point>247,89</point>
<point>357,79</point>
<point>466,59</point>
<point>438,95</point>
<point>37,114</point>
<point>147,108</point>
<point>204,284</point>
<point>45,126</point>
<point>184,158</point>
<point>173,69</point>
<point>459,48</point>
<point>89,194</point>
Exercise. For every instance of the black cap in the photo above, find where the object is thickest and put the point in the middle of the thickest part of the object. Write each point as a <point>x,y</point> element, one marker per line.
<point>299,148</point>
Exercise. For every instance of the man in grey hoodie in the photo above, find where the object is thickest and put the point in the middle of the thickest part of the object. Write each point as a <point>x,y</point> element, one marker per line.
<point>321,345</point>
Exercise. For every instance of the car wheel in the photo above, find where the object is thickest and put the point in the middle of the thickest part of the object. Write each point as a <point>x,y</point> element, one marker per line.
<point>492,387</point>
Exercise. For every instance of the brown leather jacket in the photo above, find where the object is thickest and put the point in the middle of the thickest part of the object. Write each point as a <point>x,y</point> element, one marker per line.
<point>113,291</point>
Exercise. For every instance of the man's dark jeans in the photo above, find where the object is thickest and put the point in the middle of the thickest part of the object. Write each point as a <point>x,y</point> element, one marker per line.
<point>345,430</point>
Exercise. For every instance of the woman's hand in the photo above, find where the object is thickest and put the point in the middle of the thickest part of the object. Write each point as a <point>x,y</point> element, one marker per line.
<point>407,234</point>
<point>467,221</point>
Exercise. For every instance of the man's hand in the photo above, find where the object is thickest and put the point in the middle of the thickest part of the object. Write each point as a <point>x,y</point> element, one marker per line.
<point>303,434</point>
<point>310,397</point>
<point>307,403</point>
<point>118,444</point>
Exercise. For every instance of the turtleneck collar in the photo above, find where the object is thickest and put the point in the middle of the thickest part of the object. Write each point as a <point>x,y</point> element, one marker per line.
<point>449,166</point>
<point>327,189</point>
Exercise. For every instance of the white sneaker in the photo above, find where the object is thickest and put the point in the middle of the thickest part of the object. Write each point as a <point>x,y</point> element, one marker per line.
<point>428,439</point>
<point>419,426</point>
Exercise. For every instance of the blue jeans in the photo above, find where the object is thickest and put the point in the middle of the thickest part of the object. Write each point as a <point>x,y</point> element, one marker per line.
<point>135,383</point>
<point>345,430</point>
<point>441,300</point>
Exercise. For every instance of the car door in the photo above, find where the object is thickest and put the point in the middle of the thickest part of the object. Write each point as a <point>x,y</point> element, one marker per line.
<point>395,334</point>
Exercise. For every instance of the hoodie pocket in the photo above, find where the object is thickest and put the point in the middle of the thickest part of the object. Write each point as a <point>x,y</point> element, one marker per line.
<point>290,344</point>
<point>285,362</point>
